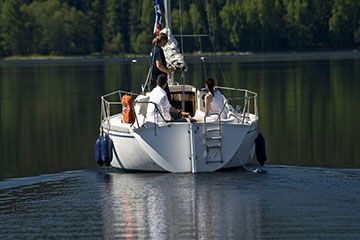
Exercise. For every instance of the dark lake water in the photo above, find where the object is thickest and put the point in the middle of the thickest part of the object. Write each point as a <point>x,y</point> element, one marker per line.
<point>309,114</point>
<point>285,203</point>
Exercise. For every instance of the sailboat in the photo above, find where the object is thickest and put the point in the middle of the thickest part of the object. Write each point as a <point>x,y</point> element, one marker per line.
<point>177,147</point>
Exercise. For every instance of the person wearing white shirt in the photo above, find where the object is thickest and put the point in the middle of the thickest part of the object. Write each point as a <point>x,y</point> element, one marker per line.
<point>214,103</point>
<point>164,109</point>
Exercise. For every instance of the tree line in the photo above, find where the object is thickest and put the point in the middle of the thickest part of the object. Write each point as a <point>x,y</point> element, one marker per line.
<point>81,27</point>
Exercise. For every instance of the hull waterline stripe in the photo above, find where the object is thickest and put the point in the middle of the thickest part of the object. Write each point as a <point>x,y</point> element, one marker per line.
<point>251,131</point>
<point>116,135</point>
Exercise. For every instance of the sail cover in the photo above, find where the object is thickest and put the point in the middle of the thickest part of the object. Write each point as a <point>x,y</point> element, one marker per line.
<point>172,53</point>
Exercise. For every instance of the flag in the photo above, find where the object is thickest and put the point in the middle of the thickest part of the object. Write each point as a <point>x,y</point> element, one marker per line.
<point>157,26</point>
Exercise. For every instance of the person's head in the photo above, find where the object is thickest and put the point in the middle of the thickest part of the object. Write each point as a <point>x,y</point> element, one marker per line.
<point>160,40</point>
<point>210,84</point>
<point>161,80</point>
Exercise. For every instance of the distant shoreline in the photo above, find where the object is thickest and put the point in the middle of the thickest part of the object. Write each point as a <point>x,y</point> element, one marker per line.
<point>222,55</point>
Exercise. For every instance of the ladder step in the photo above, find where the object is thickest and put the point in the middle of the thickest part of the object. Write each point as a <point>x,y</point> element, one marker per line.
<point>211,135</point>
<point>210,147</point>
<point>214,138</point>
<point>214,162</point>
<point>213,129</point>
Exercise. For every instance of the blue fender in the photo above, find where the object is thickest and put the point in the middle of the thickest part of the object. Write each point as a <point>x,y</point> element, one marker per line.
<point>98,151</point>
<point>260,149</point>
<point>106,149</point>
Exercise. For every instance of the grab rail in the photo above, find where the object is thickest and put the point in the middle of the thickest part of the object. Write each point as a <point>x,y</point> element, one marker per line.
<point>244,114</point>
<point>248,97</point>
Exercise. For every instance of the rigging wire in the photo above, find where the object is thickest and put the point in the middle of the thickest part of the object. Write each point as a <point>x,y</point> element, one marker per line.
<point>181,34</point>
<point>218,61</point>
<point>212,42</point>
<point>147,82</point>
<point>200,45</point>
<point>202,57</point>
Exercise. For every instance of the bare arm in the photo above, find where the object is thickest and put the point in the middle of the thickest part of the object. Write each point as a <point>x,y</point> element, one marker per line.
<point>162,68</point>
<point>208,100</point>
<point>175,110</point>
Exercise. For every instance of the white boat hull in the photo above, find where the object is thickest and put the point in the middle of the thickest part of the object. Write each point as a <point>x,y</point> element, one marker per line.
<point>180,147</point>
<point>198,145</point>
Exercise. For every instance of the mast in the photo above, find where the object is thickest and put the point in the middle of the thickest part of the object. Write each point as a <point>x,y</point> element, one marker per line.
<point>171,50</point>
<point>167,8</point>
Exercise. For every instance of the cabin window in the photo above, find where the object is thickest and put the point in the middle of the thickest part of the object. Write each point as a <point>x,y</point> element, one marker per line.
<point>190,102</point>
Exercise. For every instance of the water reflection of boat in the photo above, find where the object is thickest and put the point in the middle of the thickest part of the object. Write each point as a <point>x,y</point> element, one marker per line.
<point>181,146</point>
<point>198,208</point>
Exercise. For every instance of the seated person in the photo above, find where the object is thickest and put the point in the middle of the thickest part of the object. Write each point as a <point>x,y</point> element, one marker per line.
<point>213,103</point>
<point>159,97</point>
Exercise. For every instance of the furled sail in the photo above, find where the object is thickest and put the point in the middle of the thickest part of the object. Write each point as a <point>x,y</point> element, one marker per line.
<point>172,53</point>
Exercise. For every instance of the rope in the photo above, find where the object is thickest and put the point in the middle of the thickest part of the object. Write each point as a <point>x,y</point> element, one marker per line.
<point>242,163</point>
<point>101,116</point>
<point>105,115</point>
<point>108,117</point>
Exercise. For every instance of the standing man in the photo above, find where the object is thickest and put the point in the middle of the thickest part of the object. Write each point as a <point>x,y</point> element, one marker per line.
<point>159,63</point>
<point>158,59</point>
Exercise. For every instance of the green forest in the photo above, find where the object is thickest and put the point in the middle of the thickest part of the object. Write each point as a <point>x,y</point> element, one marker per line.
<point>85,27</point>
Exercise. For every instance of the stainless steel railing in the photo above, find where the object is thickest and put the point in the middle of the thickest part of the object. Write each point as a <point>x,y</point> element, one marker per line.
<point>249,105</point>
<point>106,107</point>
